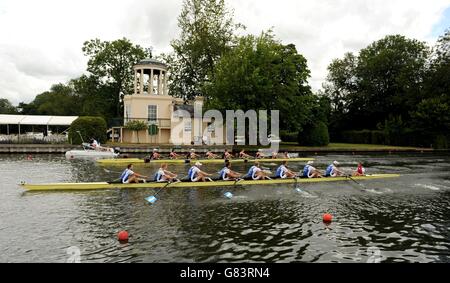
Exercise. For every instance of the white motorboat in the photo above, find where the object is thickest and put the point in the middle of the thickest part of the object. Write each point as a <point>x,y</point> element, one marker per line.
<point>89,152</point>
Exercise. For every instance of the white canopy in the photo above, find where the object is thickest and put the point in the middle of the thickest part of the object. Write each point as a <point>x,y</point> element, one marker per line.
<point>36,120</point>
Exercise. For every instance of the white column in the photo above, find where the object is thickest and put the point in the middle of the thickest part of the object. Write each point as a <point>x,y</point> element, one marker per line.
<point>166,86</point>
<point>135,82</point>
<point>159,83</point>
<point>141,83</point>
<point>151,83</point>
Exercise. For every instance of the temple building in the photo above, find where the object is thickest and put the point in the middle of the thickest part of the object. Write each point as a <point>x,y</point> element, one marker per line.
<point>151,103</point>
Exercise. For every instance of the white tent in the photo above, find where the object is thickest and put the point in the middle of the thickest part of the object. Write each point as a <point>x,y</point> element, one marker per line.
<point>36,120</point>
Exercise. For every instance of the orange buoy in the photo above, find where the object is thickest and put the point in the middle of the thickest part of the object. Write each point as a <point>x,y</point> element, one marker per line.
<point>327,218</point>
<point>122,236</point>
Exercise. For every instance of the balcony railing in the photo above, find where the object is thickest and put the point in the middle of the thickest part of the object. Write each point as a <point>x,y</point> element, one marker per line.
<point>161,123</point>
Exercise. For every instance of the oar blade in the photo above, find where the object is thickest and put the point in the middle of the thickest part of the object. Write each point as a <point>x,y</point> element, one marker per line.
<point>151,199</point>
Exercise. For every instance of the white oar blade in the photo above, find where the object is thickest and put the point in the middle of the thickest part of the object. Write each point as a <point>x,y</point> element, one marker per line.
<point>151,199</point>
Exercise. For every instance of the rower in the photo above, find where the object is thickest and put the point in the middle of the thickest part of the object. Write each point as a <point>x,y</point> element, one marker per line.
<point>227,155</point>
<point>211,155</point>
<point>164,175</point>
<point>192,155</point>
<point>360,171</point>
<point>286,155</point>
<point>259,154</point>
<point>333,171</point>
<point>227,174</point>
<point>129,176</point>
<point>155,155</point>
<point>173,155</point>
<point>93,143</point>
<point>256,173</point>
<point>274,155</point>
<point>283,172</point>
<point>242,154</point>
<point>197,175</point>
<point>311,172</point>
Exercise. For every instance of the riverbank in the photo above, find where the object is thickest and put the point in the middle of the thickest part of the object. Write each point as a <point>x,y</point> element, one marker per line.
<point>147,148</point>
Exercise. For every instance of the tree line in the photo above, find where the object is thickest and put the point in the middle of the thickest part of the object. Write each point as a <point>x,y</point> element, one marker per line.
<point>395,87</point>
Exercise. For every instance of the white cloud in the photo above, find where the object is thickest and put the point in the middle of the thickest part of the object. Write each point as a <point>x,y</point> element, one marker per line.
<point>41,40</point>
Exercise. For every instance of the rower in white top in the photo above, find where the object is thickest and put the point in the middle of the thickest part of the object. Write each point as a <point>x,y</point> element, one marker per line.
<point>227,174</point>
<point>256,173</point>
<point>164,175</point>
<point>195,174</point>
<point>283,172</point>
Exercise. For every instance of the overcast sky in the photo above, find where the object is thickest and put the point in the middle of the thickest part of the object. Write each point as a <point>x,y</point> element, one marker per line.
<point>40,41</point>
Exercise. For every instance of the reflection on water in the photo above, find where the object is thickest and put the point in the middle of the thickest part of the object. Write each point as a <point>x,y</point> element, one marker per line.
<point>392,220</point>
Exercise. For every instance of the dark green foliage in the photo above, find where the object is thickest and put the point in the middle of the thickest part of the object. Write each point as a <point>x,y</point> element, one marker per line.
<point>314,135</point>
<point>395,85</point>
<point>112,63</point>
<point>287,136</point>
<point>207,32</point>
<point>6,107</point>
<point>89,127</point>
<point>260,73</point>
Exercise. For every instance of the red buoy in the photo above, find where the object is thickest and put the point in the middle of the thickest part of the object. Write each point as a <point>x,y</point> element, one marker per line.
<point>327,218</point>
<point>122,236</point>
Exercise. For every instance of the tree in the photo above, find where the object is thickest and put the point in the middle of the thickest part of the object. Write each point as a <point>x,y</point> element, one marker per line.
<point>112,63</point>
<point>384,79</point>
<point>436,82</point>
<point>260,73</point>
<point>6,107</point>
<point>59,100</point>
<point>207,32</point>
<point>85,128</point>
<point>390,72</point>
<point>95,97</point>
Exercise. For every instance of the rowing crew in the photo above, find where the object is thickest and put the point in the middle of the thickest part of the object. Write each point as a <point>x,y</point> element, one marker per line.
<point>256,172</point>
<point>227,155</point>
<point>332,171</point>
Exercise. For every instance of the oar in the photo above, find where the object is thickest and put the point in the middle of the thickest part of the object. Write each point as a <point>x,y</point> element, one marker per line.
<point>350,177</point>
<point>152,199</point>
<point>109,171</point>
<point>80,136</point>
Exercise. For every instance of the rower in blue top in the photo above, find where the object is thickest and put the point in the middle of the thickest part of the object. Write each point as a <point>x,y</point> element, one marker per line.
<point>310,172</point>
<point>129,176</point>
<point>197,175</point>
<point>256,173</point>
<point>283,172</point>
<point>333,171</point>
<point>227,174</point>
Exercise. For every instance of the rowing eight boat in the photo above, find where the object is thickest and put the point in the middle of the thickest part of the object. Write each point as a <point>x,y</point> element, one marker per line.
<point>106,185</point>
<point>125,161</point>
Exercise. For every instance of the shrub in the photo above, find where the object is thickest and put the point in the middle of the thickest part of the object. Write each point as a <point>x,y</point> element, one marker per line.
<point>364,137</point>
<point>89,127</point>
<point>288,136</point>
<point>314,135</point>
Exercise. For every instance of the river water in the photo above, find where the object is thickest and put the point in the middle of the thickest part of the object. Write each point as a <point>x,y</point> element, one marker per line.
<point>404,219</point>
